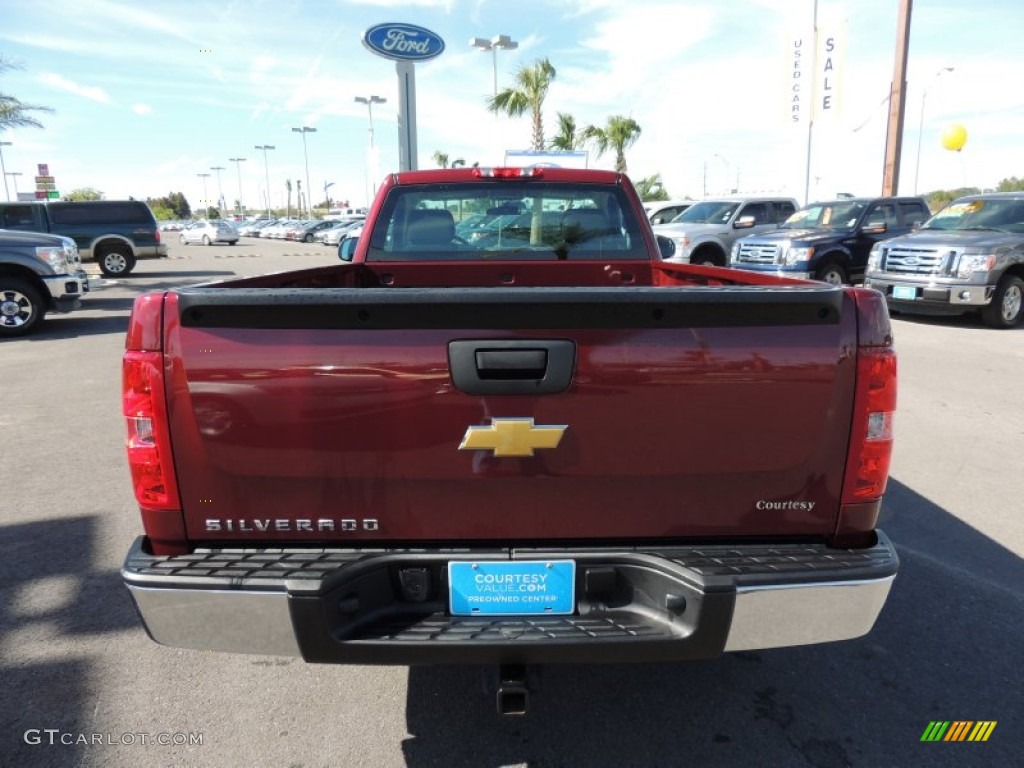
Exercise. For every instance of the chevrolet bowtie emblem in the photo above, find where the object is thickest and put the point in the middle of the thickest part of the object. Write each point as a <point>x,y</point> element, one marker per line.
<point>512,437</point>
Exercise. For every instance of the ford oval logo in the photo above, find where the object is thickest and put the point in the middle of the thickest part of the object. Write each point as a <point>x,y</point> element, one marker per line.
<point>403,42</point>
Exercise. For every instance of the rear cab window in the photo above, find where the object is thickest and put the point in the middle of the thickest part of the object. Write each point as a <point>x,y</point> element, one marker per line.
<point>113,212</point>
<point>506,220</point>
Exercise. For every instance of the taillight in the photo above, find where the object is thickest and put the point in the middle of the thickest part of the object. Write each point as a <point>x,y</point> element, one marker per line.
<point>158,234</point>
<point>148,443</point>
<point>867,464</point>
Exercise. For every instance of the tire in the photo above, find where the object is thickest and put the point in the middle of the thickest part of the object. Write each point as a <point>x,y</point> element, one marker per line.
<point>116,261</point>
<point>707,257</point>
<point>21,307</point>
<point>206,240</point>
<point>307,239</point>
<point>1007,304</point>
<point>831,272</point>
<point>182,240</point>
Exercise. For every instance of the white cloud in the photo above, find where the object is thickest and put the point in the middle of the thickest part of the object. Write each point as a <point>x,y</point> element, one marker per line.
<point>142,109</point>
<point>62,83</point>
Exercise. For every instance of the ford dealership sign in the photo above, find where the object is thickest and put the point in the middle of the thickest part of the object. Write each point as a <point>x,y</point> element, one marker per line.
<point>403,42</point>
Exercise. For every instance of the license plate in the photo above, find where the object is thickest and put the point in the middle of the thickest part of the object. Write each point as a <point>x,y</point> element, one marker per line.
<point>527,588</point>
<point>904,292</point>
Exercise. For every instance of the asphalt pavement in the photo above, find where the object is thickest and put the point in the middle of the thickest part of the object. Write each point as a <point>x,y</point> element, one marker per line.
<point>76,664</point>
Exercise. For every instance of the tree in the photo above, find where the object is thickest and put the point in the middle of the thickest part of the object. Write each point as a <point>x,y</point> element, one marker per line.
<point>1012,184</point>
<point>84,193</point>
<point>14,113</point>
<point>440,158</point>
<point>943,197</point>
<point>652,188</point>
<point>568,137</point>
<point>174,201</point>
<point>528,94</point>
<point>619,134</point>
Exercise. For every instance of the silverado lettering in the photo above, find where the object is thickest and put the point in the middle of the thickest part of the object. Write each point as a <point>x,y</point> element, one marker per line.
<point>394,480</point>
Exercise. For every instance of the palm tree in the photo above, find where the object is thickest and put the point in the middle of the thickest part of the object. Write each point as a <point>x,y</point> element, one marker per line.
<point>14,112</point>
<point>651,188</point>
<point>568,137</point>
<point>529,92</point>
<point>440,158</point>
<point>619,133</point>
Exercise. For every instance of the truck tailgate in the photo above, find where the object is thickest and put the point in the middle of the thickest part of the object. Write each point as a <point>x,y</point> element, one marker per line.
<point>687,413</point>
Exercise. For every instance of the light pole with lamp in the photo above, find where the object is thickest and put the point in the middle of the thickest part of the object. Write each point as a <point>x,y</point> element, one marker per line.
<point>369,101</point>
<point>492,45</point>
<point>238,167</point>
<point>266,170</point>
<point>206,200</point>
<point>3,168</point>
<point>920,128</point>
<point>220,189</point>
<point>14,177</point>
<point>304,130</point>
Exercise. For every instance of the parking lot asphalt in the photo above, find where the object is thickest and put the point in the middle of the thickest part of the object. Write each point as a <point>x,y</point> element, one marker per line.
<point>74,660</point>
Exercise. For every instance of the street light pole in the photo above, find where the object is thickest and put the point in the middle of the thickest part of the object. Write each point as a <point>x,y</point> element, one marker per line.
<point>238,167</point>
<point>14,176</point>
<point>369,101</point>
<point>266,170</point>
<point>492,45</point>
<point>304,130</point>
<point>327,200</point>
<point>206,200</point>
<point>3,168</point>
<point>920,127</point>
<point>220,189</point>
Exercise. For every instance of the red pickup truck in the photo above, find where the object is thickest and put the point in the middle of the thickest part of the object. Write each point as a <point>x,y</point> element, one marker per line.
<point>507,432</point>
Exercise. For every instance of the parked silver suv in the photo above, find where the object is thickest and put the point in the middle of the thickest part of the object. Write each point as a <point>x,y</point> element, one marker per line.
<point>968,256</point>
<point>705,232</point>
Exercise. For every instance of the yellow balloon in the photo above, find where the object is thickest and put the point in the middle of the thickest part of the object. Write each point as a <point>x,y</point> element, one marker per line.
<point>954,137</point>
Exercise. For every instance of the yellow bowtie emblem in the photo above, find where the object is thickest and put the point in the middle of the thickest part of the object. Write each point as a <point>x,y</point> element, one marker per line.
<point>512,437</point>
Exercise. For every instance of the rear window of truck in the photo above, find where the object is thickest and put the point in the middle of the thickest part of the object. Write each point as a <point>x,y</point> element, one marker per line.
<point>102,212</point>
<point>507,219</point>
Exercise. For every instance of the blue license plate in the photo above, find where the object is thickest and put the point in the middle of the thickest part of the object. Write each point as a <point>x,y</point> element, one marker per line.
<point>527,588</point>
<point>904,292</point>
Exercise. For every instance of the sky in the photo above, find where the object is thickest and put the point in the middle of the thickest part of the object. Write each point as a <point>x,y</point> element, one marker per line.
<point>146,96</point>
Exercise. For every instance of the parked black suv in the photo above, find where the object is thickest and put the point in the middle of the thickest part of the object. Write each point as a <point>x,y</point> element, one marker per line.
<point>829,241</point>
<point>114,233</point>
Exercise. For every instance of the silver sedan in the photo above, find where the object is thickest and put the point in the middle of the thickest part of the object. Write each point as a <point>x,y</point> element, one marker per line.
<point>209,232</point>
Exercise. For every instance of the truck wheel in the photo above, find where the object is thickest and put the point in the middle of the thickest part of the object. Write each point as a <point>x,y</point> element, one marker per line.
<point>21,306</point>
<point>1007,304</point>
<point>832,273</point>
<point>116,261</point>
<point>707,257</point>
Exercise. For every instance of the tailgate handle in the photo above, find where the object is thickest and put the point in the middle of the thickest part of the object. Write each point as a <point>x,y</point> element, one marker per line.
<point>511,363</point>
<point>520,367</point>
